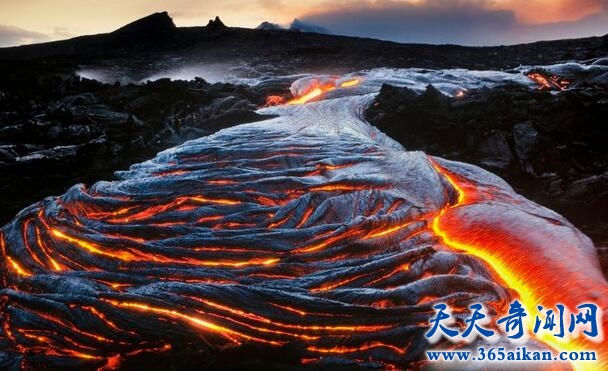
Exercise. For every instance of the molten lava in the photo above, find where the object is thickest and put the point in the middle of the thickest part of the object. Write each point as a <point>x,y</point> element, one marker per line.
<point>274,100</point>
<point>268,244</point>
<point>309,232</point>
<point>534,262</point>
<point>317,88</point>
<point>314,93</point>
<point>349,83</point>
<point>547,81</point>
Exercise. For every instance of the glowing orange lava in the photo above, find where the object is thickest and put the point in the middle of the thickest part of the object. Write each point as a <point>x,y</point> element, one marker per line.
<point>196,321</point>
<point>309,96</point>
<point>548,82</point>
<point>274,100</point>
<point>349,83</point>
<point>534,263</point>
<point>316,90</point>
<point>273,240</point>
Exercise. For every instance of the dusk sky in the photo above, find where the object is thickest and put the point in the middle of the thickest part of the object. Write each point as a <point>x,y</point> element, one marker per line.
<point>468,22</point>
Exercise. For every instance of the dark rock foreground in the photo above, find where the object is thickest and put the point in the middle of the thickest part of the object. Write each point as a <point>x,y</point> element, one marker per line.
<point>57,129</point>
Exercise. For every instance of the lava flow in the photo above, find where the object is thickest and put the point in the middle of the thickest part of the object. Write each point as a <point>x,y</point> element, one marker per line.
<point>547,81</point>
<point>305,232</point>
<point>536,262</point>
<point>317,87</point>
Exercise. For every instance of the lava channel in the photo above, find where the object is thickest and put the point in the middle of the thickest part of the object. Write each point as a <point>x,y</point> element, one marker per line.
<point>311,240</point>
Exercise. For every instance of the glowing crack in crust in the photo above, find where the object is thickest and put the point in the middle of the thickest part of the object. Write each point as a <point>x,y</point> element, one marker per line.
<point>304,231</point>
<point>535,261</point>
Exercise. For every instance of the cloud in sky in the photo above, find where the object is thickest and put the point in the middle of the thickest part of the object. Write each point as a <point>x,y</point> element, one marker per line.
<point>551,11</point>
<point>468,22</point>
<point>10,36</point>
<point>475,22</point>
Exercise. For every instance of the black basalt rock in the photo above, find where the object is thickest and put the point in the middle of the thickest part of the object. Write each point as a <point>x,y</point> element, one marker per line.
<point>215,24</point>
<point>153,25</point>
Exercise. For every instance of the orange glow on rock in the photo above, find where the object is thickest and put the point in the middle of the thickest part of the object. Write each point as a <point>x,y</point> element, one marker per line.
<point>342,349</point>
<point>193,320</point>
<point>520,261</point>
<point>273,242</point>
<point>20,271</point>
<point>316,90</point>
<point>308,96</point>
<point>274,100</point>
<point>548,82</point>
<point>349,83</point>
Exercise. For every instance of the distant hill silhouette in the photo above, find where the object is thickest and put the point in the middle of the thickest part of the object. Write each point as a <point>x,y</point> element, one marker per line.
<point>269,26</point>
<point>154,24</point>
<point>216,24</point>
<point>155,39</point>
<point>298,25</point>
